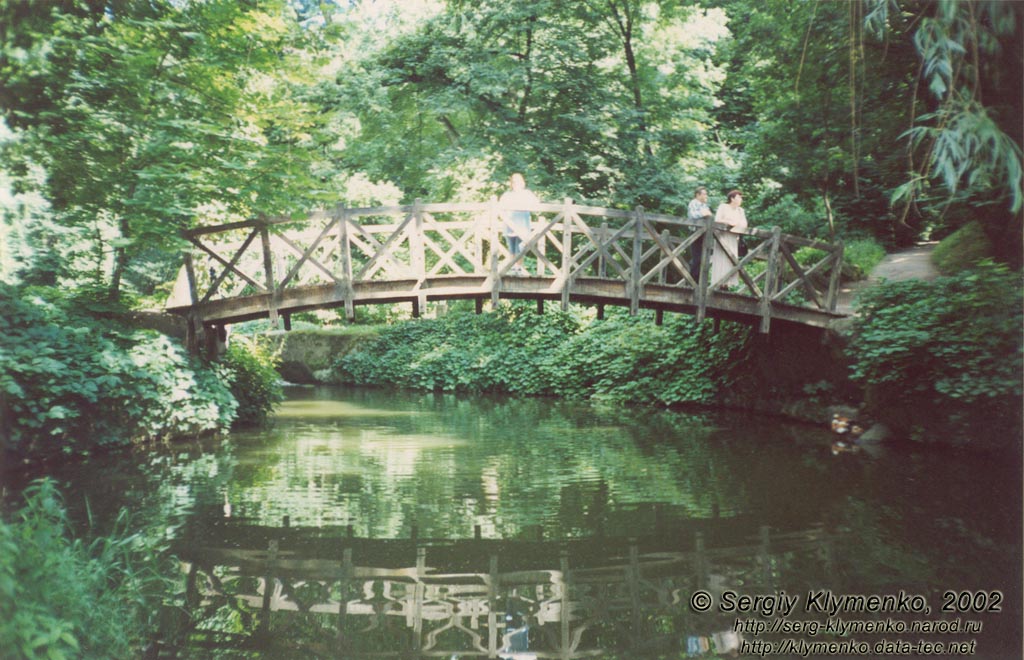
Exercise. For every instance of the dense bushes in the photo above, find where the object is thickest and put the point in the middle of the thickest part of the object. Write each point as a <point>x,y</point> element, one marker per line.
<point>560,353</point>
<point>962,249</point>
<point>250,366</point>
<point>64,598</point>
<point>943,359</point>
<point>74,381</point>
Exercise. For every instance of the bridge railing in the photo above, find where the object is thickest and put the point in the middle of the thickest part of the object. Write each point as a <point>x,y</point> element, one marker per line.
<point>427,245</point>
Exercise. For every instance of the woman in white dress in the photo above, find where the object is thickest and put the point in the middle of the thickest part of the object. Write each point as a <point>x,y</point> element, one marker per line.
<point>730,213</point>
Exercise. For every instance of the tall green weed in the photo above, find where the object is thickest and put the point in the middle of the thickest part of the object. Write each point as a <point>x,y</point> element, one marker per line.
<point>63,597</point>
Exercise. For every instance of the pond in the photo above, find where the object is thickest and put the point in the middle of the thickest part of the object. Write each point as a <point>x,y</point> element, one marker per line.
<point>367,523</point>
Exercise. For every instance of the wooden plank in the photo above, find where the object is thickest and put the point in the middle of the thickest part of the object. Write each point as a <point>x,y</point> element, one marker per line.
<point>635,274</point>
<point>567,222</point>
<point>307,255</point>
<point>268,272</point>
<point>769,282</point>
<point>707,249</point>
<point>190,273</point>
<point>383,252</point>
<point>832,299</point>
<point>802,276</point>
<point>662,245</point>
<point>601,253</point>
<point>230,266</point>
<point>346,264</point>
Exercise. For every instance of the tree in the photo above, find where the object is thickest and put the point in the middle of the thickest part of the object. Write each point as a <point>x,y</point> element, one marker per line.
<point>967,140</point>
<point>153,111</point>
<point>599,101</point>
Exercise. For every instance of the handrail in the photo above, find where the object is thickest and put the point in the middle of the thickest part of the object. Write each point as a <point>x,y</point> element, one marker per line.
<point>430,246</point>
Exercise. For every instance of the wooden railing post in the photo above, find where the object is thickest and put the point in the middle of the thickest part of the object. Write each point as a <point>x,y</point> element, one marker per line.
<point>268,275</point>
<point>707,249</point>
<point>495,280</point>
<point>567,260</point>
<point>636,272</point>
<point>190,274</point>
<point>833,282</point>
<point>418,257</point>
<point>346,263</point>
<point>769,279</point>
<point>602,239</point>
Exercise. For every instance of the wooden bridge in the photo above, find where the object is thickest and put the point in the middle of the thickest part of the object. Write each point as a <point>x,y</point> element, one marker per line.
<point>273,267</point>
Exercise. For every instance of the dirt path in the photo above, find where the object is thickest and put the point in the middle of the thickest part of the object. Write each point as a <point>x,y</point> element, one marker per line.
<point>910,264</point>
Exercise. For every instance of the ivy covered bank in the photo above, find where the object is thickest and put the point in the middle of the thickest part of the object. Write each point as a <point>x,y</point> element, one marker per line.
<point>934,361</point>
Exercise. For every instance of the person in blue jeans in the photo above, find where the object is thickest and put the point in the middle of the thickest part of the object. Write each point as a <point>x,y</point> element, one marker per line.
<point>517,220</point>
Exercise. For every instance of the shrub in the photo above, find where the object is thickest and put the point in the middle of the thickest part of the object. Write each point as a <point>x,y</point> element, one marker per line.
<point>559,353</point>
<point>860,256</point>
<point>793,216</point>
<point>943,358</point>
<point>64,598</point>
<point>73,382</point>
<point>962,249</point>
<point>250,366</point>
<point>631,359</point>
<point>506,351</point>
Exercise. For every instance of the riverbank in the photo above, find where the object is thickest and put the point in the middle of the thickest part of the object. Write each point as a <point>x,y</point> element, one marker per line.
<point>909,359</point>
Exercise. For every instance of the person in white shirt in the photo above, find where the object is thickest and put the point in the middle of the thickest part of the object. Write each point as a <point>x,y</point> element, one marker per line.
<point>517,220</point>
<point>726,252</point>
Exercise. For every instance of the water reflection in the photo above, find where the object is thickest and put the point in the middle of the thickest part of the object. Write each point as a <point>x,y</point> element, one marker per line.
<point>445,466</point>
<point>366,598</point>
<point>522,481</point>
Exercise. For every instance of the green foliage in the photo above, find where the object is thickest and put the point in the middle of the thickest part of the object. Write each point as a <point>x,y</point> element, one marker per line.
<point>514,350</point>
<point>962,249</point>
<point>791,215</point>
<point>967,54</point>
<point>944,358</point>
<point>73,381</point>
<point>860,256</point>
<point>250,366</point>
<point>628,358</point>
<point>156,114</point>
<point>63,597</point>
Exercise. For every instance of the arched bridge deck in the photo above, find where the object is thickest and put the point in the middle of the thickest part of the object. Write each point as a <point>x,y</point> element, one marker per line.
<point>425,252</point>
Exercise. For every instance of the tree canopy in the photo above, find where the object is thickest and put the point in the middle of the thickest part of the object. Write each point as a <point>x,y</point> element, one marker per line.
<point>124,122</point>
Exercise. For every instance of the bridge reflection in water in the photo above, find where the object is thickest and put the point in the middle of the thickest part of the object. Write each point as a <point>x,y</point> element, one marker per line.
<point>574,253</point>
<point>415,598</point>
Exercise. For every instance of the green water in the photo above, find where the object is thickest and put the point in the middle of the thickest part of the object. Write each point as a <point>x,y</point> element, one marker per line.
<point>537,490</point>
